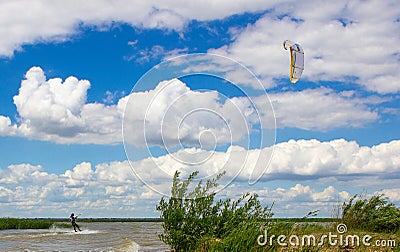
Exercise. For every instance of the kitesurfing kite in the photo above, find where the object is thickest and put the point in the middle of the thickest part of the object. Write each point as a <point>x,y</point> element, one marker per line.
<point>296,60</point>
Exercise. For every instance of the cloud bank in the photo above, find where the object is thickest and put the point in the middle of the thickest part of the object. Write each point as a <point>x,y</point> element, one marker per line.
<point>111,189</point>
<point>56,110</point>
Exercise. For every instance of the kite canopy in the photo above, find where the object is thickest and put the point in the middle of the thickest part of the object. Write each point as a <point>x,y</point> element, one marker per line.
<point>296,60</point>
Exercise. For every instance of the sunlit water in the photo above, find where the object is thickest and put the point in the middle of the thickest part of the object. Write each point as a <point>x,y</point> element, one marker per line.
<point>96,236</point>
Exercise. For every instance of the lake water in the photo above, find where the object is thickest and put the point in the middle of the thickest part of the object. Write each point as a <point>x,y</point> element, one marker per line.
<point>96,236</point>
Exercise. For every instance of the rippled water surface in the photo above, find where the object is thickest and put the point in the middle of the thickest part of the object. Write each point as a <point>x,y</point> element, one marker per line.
<point>96,236</point>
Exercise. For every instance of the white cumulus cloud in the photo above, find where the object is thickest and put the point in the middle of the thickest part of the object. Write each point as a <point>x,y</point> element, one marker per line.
<point>172,114</point>
<point>56,110</point>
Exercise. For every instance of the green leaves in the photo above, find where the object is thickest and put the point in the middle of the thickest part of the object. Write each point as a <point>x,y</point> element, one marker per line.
<point>373,214</point>
<point>193,220</point>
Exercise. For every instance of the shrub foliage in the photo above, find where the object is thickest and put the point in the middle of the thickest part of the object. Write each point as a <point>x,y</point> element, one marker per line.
<point>375,214</point>
<point>194,220</point>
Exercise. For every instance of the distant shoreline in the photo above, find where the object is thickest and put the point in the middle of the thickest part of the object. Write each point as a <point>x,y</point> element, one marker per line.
<point>21,223</point>
<point>151,219</point>
<point>46,223</point>
<point>113,219</point>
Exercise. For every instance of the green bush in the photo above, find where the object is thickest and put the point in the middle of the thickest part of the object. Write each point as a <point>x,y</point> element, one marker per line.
<point>192,220</point>
<point>374,214</point>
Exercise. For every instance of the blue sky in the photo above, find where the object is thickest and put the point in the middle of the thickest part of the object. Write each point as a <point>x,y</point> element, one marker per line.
<point>68,70</point>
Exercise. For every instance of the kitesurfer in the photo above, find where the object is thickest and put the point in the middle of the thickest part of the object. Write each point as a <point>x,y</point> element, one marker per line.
<point>73,222</point>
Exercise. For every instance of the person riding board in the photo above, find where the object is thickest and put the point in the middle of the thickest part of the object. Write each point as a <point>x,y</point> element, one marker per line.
<point>73,222</point>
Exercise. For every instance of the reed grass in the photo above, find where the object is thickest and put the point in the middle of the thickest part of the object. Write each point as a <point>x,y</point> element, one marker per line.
<point>19,223</point>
